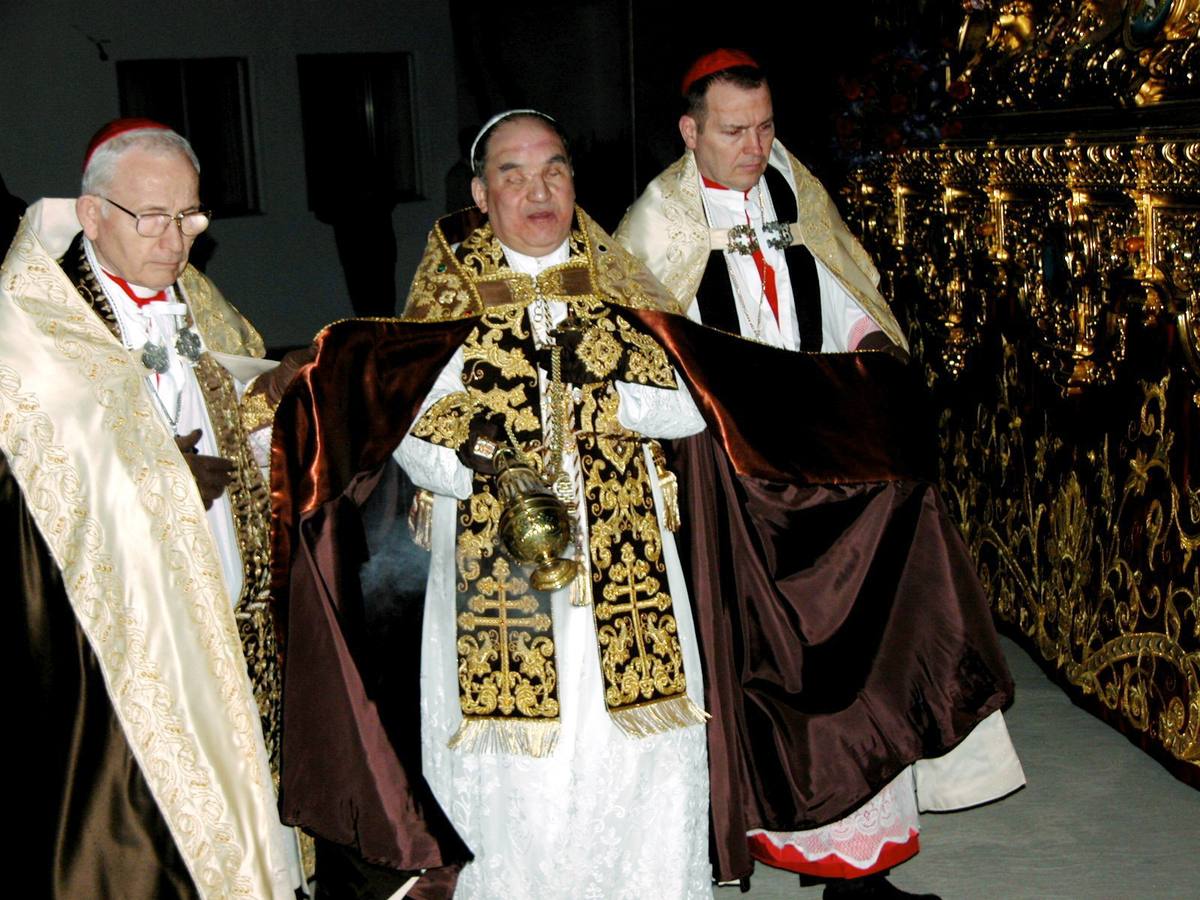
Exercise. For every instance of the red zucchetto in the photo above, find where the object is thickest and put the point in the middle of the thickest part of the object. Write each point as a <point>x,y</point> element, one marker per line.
<point>113,129</point>
<point>717,61</point>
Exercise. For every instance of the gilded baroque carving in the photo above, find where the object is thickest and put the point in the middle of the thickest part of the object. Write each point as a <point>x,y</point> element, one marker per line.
<point>1020,54</point>
<point>1052,292</point>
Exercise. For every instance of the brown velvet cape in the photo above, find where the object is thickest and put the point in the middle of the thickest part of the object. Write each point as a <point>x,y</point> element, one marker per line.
<point>843,630</point>
<point>88,823</point>
<point>350,764</point>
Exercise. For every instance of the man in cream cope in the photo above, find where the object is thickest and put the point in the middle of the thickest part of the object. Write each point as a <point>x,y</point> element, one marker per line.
<point>750,243</point>
<point>135,515</point>
<point>744,234</point>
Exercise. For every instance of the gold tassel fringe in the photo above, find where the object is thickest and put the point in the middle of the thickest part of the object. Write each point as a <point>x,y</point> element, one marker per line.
<point>523,738</point>
<point>420,519</point>
<point>581,587</point>
<point>669,485</point>
<point>658,716</point>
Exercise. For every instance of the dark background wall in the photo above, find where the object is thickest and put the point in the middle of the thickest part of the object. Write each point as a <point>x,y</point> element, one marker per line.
<point>279,266</point>
<point>608,69</point>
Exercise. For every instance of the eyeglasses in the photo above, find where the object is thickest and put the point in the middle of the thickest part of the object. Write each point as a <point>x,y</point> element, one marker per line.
<point>191,221</point>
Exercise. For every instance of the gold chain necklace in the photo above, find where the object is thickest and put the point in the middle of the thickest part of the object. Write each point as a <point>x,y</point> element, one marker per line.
<point>561,401</point>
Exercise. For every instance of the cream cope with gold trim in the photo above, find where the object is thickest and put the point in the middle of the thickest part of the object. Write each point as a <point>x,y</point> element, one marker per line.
<point>119,510</point>
<point>667,229</point>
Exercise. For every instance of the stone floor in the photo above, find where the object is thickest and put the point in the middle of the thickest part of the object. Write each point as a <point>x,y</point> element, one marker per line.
<point>1098,818</point>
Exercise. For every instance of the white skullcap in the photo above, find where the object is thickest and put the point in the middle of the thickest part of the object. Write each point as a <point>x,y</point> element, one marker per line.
<point>497,119</point>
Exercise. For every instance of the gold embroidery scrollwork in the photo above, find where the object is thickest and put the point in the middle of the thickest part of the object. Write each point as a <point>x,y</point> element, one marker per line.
<point>510,362</point>
<point>599,352</point>
<point>636,631</point>
<point>507,675</point>
<point>647,361</point>
<point>640,654</point>
<point>249,503</point>
<point>438,290</point>
<point>1067,432</point>
<point>481,253</point>
<point>447,422</point>
<point>506,661</point>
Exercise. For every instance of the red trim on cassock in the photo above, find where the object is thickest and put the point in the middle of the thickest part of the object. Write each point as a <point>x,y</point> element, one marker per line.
<point>832,866</point>
<point>765,272</point>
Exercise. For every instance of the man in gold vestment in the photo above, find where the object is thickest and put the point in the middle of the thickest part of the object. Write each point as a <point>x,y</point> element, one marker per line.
<point>559,750</point>
<point>561,727</point>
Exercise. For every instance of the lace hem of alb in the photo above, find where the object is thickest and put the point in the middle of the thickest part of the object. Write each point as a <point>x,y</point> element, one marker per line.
<point>890,817</point>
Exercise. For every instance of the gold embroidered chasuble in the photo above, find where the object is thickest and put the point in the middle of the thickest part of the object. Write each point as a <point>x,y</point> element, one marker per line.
<point>667,229</point>
<point>121,515</point>
<point>507,667</point>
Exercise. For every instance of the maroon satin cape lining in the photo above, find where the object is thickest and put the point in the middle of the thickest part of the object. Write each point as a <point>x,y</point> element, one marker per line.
<point>345,775</point>
<point>809,418</point>
<point>843,631</point>
<point>88,825</point>
<point>817,563</point>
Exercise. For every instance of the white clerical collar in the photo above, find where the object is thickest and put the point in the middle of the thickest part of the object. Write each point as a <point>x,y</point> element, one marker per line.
<point>535,265</point>
<point>732,199</point>
<point>118,296</point>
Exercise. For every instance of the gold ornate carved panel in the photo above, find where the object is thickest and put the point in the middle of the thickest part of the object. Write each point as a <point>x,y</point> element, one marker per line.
<point>1052,292</point>
<point>1048,54</point>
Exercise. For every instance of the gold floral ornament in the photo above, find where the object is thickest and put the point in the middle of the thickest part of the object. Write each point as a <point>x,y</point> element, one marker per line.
<point>647,362</point>
<point>599,352</point>
<point>448,421</point>
<point>257,412</point>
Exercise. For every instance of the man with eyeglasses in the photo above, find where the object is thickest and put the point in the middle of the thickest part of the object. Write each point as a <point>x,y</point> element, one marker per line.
<point>133,512</point>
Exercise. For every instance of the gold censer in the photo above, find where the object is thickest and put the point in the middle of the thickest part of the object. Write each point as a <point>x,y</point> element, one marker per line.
<point>535,526</point>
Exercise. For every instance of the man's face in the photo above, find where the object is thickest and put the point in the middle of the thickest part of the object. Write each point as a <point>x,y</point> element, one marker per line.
<point>528,191</point>
<point>144,181</point>
<point>734,143</point>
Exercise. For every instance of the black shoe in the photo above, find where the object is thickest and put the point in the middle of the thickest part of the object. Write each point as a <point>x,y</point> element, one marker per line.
<point>873,887</point>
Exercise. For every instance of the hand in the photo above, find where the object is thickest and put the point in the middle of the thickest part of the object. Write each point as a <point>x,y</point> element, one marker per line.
<point>212,473</point>
<point>272,384</point>
<point>478,452</point>
<point>877,340</point>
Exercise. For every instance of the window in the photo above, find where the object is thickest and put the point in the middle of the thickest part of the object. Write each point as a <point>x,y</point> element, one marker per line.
<point>359,135</point>
<point>208,102</point>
